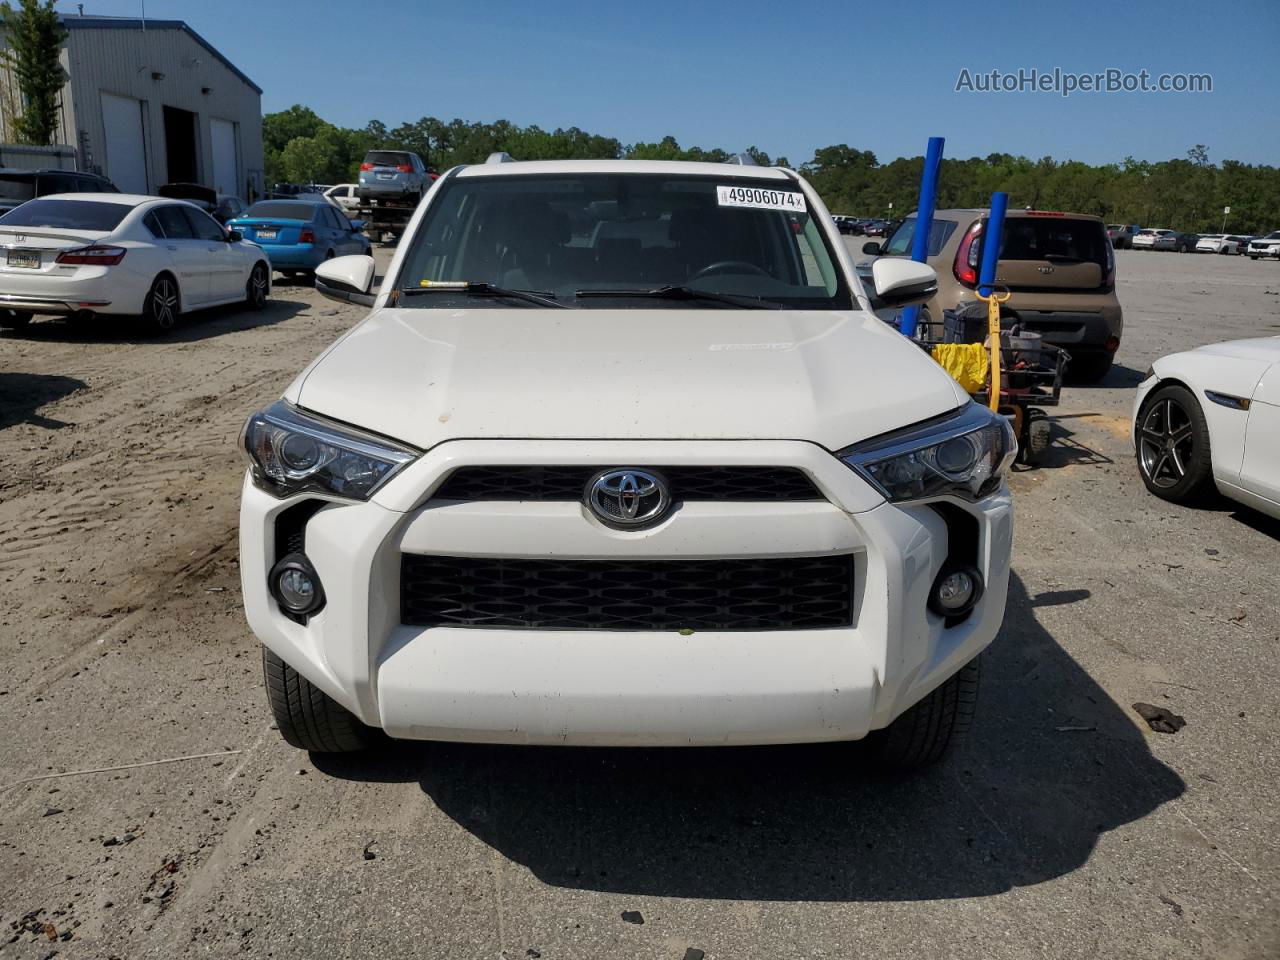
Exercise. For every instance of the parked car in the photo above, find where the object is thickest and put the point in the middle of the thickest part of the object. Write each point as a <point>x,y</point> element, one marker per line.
<point>299,235</point>
<point>111,254</point>
<point>875,228</point>
<point>1268,246</point>
<point>18,186</point>
<point>427,550</point>
<point>1218,243</point>
<point>394,174</point>
<point>1163,239</point>
<point>1121,234</point>
<point>1210,418</point>
<point>344,196</point>
<point>1059,267</point>
<point>222,207</point>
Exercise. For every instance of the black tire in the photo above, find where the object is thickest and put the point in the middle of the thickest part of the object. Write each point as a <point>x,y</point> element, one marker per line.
<point>307,717</point>
<point>163,304</point>
<point>922,735</point>
<point>256,287</point>
<point>1173,446</point>
<point>14,319</point>
<point>1090,367</point>
<point>1036,435</point>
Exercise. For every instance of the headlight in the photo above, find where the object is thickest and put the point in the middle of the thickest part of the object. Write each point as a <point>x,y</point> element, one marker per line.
<point>963,454</point>
<point>290,452</point>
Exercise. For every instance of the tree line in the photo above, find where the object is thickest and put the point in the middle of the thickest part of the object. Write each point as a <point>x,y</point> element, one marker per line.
<point>1186,193</point>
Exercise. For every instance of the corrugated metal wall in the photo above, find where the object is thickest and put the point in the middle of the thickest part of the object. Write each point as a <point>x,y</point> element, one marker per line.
<point>125,62</point>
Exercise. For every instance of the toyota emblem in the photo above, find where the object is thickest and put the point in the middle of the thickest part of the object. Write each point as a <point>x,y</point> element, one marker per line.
<point>627,497</point>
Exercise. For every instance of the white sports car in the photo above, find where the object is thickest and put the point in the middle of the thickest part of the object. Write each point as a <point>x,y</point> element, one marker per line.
<point>90,254</point>
<point>1211,417</point>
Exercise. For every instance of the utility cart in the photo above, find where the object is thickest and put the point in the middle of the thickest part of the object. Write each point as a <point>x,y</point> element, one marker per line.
<point>1031,372</point>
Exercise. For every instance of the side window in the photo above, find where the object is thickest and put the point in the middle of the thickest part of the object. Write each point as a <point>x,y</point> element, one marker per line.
<point>175,224</point>
<point>331,218</point>
<point>202,225</point>
<point>152,223</point>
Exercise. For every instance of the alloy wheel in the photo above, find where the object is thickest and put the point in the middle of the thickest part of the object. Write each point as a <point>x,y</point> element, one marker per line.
<point>258,286</point>
<point>164,303</point>
<point>1165,440</point>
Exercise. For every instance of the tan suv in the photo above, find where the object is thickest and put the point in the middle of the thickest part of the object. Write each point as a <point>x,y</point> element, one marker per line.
<point>1059,268</point>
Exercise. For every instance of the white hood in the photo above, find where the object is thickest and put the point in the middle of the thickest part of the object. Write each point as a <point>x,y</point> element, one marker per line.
<point>1266,349</point>
<point>425,376</point>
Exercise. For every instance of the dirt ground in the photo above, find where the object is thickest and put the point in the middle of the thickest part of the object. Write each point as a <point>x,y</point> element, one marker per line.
<point>1066,828</point>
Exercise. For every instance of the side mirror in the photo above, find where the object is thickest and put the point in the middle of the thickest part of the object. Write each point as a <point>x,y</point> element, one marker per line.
<point>871,248</point>
<point>900,282</point>
<point>348,279</point>
<point>234,236</point>
<point>357,226</point>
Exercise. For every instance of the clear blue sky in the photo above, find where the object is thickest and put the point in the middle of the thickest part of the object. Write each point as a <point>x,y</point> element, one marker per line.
<point>785,77</point>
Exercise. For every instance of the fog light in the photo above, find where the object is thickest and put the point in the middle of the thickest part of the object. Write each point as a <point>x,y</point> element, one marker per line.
<point>295,585</point>
<point>956,591</point>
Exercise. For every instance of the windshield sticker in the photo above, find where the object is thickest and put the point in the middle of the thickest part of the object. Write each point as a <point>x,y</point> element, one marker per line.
<point>761,199</point>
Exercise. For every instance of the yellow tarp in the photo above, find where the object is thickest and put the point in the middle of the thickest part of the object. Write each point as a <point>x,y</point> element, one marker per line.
<point>967,362</point>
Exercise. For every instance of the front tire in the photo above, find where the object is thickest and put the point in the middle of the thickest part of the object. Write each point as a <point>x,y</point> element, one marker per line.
<point>255,288</point>
<point>1173,446</point>
<point>306,716</point>
<point>161,307</point>
<point>922,735</point>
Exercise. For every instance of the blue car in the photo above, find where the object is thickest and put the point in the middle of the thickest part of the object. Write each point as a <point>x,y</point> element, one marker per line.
<point>299,235</point>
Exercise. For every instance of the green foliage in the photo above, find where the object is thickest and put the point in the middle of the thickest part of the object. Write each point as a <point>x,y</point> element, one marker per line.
<point>35,35</point>
<point>1184,194</point>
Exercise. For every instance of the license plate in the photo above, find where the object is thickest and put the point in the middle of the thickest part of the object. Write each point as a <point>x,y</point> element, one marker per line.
<point>386,176</point>
<point>266,234</point>
<point>24,258</point>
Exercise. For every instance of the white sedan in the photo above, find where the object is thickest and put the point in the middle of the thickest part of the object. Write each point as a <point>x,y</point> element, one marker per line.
<point>90,254</point>
<point>1211,417</point>
<point>1218,243</point>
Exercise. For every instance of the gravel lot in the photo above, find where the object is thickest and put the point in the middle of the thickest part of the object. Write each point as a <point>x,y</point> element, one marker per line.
<point>1065,829</point>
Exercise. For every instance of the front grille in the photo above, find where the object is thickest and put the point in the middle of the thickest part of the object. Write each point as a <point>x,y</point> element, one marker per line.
<point>686,483</point>
<point>778,593</point>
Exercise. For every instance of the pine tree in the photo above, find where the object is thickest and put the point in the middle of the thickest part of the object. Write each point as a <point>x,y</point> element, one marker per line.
<point>34,34</point>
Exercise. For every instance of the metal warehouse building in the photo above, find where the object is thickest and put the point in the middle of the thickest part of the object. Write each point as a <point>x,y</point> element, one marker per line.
<point>150,102</point>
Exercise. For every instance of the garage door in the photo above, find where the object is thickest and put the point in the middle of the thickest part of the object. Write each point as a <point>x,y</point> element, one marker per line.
<point>223,137</point>
<point>126,158</point>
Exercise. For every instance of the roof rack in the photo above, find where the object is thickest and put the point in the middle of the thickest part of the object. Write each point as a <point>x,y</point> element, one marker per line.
<point>744,159</point>
<point>500,156</point>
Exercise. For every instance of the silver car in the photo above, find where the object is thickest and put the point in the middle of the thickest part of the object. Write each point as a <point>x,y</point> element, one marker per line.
<point>392,174</point>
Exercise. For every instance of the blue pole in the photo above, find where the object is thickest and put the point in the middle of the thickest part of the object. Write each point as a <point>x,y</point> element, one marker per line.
<point>991,242</point>
<point>924,223</point>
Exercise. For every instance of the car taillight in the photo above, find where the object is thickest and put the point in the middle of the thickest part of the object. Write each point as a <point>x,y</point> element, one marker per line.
<point>307,236</point>
<point>366,167</point>
<point>94,256</point>
<point>966,266</point>
<point>1109,268</point>
<point>404,168</point>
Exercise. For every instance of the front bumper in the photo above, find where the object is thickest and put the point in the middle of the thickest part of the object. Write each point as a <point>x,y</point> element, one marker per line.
<point>608,687</point>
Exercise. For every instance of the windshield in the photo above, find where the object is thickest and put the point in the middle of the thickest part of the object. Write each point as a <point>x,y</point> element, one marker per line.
<point>568,235</point>
<point>76,214</point>
<point>939,233</point>
<point>281,210</point>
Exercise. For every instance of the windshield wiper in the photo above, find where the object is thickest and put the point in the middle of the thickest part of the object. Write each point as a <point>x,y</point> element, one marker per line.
<point>674,292</point>
<point>481,289</point>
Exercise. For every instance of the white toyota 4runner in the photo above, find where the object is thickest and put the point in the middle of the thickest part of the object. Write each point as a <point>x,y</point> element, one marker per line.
<point>621,456</point>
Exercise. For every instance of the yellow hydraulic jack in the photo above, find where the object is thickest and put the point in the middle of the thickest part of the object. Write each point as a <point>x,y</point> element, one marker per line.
<point>993,338</point>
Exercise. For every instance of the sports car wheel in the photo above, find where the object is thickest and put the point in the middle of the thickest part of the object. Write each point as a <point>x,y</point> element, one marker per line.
<point>1173,446</point>
<point>160,309</point>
